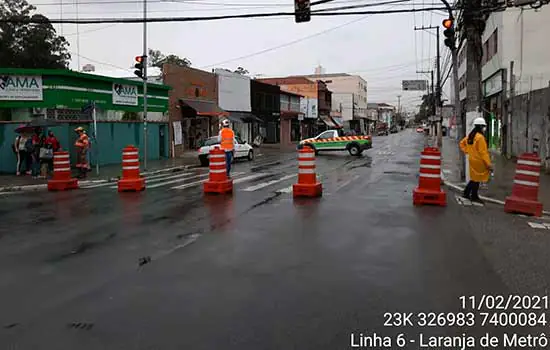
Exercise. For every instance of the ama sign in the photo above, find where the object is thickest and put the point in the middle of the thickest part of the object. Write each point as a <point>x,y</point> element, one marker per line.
<point>20,88</point>
<point>125,95</point>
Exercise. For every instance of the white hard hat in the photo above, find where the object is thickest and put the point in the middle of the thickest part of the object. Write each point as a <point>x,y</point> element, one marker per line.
<point>225,122</point>
<point>480,121</point>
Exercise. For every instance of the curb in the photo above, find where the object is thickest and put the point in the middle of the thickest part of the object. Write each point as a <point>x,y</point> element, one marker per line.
<point>487,199</point>
<point>29,188</point>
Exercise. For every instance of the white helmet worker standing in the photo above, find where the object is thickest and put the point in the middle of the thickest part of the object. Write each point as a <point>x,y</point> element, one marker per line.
<point>227,144</point>
<point>475,147</point>
<point>480,121</point>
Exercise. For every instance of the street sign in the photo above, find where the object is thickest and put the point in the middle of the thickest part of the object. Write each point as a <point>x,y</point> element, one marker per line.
<point>415,85</point>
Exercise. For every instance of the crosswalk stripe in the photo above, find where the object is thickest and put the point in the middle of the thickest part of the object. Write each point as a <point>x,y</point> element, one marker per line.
<point>247,178</point>
<point>148,179</point>
<point>180,179</point>
<point>191,184</point>
<point>269,183</point>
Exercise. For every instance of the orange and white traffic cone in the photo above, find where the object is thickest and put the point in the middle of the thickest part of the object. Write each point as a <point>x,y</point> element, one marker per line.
<point>429,182</point>
<point>62,180</point>
<point>218,182</point>
<point>131,178</point>
<point>307,185</point>
<point>525,193</point>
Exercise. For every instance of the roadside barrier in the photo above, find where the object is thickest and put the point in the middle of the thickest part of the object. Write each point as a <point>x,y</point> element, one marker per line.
<point>525,192</point>
<point>307,185</point>
<point>131,178</point>
<point>62,180</point>
<point>218,182</point>
<point>429,181</point>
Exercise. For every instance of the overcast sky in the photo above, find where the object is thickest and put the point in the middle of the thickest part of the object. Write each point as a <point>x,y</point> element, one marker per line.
<point>383,49</point>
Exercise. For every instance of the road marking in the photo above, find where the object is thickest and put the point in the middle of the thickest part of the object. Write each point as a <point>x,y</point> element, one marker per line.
<point>148,179</point>
<point>285,190</point>
<point>191,184</point>
<point>164,183</point>
<point>537,225</point>
<point>248,178</point>
<point>269,183</point>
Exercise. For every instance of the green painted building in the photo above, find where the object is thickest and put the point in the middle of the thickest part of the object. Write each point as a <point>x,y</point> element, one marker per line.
<point>58,99</point>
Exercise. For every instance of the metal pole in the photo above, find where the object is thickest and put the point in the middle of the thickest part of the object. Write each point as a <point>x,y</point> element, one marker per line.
<point>145,84</point>
<point>94,117</point>
<point>439,117</point>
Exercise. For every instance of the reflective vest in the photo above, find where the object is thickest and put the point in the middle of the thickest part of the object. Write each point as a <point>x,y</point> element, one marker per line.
<point>82,141</point>
<point>227,137</point>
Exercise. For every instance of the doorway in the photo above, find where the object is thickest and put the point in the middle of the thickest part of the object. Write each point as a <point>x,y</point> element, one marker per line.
<point>162,141</point>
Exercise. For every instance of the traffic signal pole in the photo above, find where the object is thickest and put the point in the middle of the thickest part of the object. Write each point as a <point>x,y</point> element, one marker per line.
<point>437,103</point>
<point>145,84</point>
<point>456,90</point>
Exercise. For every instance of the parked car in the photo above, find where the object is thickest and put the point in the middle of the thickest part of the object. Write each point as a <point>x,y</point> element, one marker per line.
<point>420,130</point>
<point>242,150</point>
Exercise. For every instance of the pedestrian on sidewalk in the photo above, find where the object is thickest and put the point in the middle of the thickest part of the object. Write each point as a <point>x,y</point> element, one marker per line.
<point>227,144</point>
<point>475,147</point>
<point>23,158</point>
<point>35,153</point>
<point>82,144</point>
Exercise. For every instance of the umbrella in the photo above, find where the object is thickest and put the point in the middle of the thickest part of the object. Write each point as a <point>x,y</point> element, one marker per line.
<point>24,128</point>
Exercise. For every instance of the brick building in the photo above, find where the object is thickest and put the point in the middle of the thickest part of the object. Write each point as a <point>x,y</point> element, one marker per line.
<point>193,106</point>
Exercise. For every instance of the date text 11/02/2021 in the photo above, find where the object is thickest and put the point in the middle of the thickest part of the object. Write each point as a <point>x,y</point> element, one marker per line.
<point>421,341</point>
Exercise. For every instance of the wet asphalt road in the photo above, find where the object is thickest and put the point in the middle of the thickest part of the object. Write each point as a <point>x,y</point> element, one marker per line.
<point>171,269</point>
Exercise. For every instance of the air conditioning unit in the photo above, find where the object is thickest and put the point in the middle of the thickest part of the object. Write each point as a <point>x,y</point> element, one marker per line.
<point>39,111</point>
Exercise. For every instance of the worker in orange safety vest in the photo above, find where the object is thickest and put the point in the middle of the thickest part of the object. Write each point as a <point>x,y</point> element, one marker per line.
<point>82,143</point>
<point>227,144</point>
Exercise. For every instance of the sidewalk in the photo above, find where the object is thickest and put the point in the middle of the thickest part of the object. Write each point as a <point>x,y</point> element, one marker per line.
<point>106,173</point>
<point>500,186</point>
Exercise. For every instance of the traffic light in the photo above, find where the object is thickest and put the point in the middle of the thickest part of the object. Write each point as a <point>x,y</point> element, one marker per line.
<point>302,11</point>
<point>449,33</point>
<point>139,66</point>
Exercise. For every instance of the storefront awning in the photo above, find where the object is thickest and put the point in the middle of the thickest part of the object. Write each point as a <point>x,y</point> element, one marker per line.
<point>205,108</point>
<point>328,121</point>
<point>338,121</point>
<point>243,117</point>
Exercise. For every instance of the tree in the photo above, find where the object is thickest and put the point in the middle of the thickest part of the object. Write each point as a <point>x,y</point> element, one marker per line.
<point>426,107</point>
<point>31,45</point>
<point>157,59</point>
<point>241,71</point>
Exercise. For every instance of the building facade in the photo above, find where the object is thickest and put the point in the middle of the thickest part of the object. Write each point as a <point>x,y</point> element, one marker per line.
<point>265,103</point>
<point>311,89</point>
<point>510,36</point>
<point>193,106</point>
<point>349,97</point>
<point>291,115</point>
<point>60,100</point>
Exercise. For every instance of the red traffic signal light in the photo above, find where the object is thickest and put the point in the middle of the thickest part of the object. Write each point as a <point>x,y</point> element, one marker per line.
<point>139,59</point>
<point>448,23</point>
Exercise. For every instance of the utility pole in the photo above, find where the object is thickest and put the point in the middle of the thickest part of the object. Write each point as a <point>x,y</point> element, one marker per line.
<point>399,105</point>
<point>145,84</point>
<point>437,103</point>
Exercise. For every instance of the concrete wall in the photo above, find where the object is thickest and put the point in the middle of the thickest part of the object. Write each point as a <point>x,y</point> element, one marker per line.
<point>112,138</point>
<point>532,110</point>
<point>346,100</point>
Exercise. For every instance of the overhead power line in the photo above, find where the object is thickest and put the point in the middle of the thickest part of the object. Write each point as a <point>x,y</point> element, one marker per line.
<point>42,20</point>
